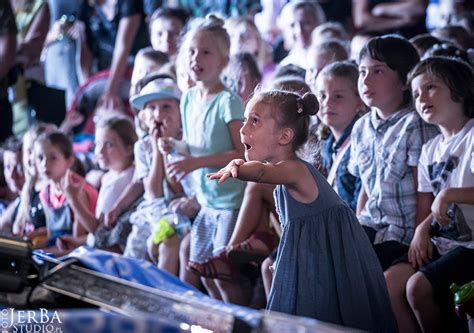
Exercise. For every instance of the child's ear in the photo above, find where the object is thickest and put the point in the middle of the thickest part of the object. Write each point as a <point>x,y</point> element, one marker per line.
<point>405,87</point>
<point>225,61</point>
<point>71,161</point>
<point>286,136</point>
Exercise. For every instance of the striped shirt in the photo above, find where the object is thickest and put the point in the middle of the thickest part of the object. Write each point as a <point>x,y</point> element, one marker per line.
<point>384,154</point>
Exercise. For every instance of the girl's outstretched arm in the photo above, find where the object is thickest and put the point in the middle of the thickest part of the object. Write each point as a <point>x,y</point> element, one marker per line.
<point>291,173</point>
<point>191,163</point>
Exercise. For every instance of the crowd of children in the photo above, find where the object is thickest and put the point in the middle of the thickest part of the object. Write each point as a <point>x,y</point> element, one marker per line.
<point>334,180</point>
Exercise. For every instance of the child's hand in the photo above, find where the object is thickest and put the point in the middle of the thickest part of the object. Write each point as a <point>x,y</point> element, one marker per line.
<point>72,183</point>
<point>439,208</point>
<point>165,145</point>
<point>67,243</point>
<point>271,268</point>
<point>110,219</point>
<point>186,206</point>
<point>421,248</point>
<point>179,169</point>
<point>231,170</point>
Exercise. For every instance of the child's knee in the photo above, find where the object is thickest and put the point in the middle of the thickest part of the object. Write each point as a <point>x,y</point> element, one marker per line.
<point>397,277</point>
<point>254,190</point>
<point>170,243</point>
<point>184,246</point>
<point>418,290</point>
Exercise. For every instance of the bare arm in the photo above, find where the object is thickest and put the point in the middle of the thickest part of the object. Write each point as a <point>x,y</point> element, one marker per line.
<point>423,201</point>
<point>83,215</point>
<point>211,161</point>
<point>291,173</point>
<point>365,20</point>
<point>413,8</point>
<point>127,30</point>
<point>29,50</point>
<point>153,183</point>
<point>459,195</point>
<point>421,249</point>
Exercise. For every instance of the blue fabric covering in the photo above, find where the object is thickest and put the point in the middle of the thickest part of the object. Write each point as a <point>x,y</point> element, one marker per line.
<point>139,271</point>
<point>145,273</point>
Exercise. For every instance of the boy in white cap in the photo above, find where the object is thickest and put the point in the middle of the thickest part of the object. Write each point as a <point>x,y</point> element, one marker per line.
<point>158,103</point>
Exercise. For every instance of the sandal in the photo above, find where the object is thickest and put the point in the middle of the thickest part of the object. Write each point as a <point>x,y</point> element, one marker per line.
<point>215,268</point>
<point>244,252</point>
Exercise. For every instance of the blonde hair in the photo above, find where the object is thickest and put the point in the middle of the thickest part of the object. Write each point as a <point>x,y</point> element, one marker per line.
<point>264,52</point>
<point>212,24</point>
<point>122,126</point>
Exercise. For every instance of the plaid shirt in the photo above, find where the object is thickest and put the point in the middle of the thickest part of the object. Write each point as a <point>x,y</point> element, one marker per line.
<point>383,155</point>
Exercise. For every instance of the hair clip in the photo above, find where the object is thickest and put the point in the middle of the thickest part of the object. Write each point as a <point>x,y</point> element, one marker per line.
<point>299,105</point>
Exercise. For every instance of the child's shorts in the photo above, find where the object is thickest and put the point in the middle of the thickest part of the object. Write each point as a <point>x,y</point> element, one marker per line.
<point>211,232</point>
<point>455,266</point>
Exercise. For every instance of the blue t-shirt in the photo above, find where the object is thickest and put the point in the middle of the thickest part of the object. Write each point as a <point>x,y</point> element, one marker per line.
<point>206,132</point>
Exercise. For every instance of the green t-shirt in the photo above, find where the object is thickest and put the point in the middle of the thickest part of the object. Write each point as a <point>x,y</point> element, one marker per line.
<point>206,132</point>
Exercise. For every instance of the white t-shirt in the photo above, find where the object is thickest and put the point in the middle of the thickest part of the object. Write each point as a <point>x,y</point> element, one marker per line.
<point>450,163</point>
<point>113,184</point>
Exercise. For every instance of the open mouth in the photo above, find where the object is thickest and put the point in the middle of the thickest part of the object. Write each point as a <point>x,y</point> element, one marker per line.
<point>197,69</point>
<point>158,128</point>
<point>426,109</point>
<point>247,146</point>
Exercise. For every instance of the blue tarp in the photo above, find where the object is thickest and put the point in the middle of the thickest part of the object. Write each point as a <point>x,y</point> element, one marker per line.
<point>145,273</point>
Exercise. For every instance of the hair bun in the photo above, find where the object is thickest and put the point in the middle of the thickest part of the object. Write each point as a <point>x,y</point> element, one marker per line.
<point>213,20</point>
<point>310,104</point>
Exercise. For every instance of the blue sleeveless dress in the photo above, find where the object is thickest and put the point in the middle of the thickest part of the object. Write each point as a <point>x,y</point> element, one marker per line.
<point>326,267</point>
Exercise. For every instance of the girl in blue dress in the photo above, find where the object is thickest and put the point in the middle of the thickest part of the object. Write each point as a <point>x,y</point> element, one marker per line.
<point>326,267</point>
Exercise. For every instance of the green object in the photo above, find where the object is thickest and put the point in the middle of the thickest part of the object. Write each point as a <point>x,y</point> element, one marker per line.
<point>164,231</point>
<point>464,293</point>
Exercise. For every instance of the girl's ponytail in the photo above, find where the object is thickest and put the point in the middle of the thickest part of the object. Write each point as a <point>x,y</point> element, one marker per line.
<point>310,104</point>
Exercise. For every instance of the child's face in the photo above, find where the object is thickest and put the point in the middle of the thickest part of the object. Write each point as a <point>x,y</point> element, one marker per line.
<point>244,39</point>
<point>29,156</point>
<point>449,10</point>
<point>110,151</point>
<point>141,68</point>
<point>302,24</point>
<point>433,100</point>
<point>246,85</point>
<point>162,118</point>
<point>259,133</point>
<point>164,35</point>
<point>379,85</point>
<point>206,60</point>
<point>51,162</point>
<point>338,102</point>
<point>321,60</point>
<point>13,171</point>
